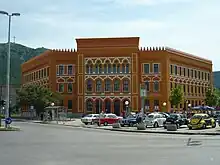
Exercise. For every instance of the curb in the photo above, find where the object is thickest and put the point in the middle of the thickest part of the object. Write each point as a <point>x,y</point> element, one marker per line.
<point>159,132</point>
<point>133,131</point>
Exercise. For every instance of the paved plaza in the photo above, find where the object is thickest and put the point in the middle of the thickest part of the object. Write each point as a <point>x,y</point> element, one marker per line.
<point>59,145</point>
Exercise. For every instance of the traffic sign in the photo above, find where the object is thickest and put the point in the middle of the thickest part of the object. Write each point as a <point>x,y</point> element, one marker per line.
<point>8,120</point>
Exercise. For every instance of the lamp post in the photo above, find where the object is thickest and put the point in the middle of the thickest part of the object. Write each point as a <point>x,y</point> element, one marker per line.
<point>164,106</point>
<point>52,104</point>
<point>189,107</point>
<point>126,106</point>
<point>8,61</point>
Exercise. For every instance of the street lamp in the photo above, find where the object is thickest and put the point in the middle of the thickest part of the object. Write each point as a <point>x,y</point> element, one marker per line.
<point>8,61</point>
<point>164,106</point>
<point>126,104</point>
<point>52,104</point>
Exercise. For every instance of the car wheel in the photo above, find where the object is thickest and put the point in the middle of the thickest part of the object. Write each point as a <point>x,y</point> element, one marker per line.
<point>165,127</point>
<point>131,124</point>
<point>86,123</point>
<point>105,123</point>
<point>156,125</point>
<point>213,126</point>
<point>122,125</point>
<point>190,128</point>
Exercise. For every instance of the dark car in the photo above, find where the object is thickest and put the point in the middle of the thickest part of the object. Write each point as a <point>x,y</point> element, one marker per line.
<point>178,119</point>
<point>129,121</point>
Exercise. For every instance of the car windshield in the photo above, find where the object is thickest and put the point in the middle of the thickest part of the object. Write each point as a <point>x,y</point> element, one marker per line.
<point>173,115</point>
<point>197,117</point>
<point>88,115</point>
<point>151,116</point>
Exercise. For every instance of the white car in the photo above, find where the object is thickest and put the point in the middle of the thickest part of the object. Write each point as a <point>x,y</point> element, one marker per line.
<point>89,119</point>
<point>155,120</point>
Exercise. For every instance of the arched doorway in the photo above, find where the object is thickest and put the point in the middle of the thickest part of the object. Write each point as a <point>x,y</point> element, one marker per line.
<point>89,106</point>
<point>107,106</point>
<point>98,106</point>
<point>117,107</point>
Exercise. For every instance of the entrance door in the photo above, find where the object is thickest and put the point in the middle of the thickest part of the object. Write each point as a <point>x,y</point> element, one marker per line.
<point>117,107</point>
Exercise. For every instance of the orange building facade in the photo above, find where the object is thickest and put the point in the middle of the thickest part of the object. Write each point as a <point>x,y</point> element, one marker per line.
<point>103,73</point>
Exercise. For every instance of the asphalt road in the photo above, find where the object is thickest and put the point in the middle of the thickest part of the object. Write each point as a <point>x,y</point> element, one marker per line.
<point>58,145</point>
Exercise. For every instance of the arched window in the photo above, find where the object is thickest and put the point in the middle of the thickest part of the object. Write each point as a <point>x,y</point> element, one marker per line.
<point>117,86</point>
<point>89,105</point>
<point>107,85</point>
<point>127,68</point>
<point>147,86</point>
<point>118,68</point>
<point>126,86</point>
<point>100,68</point>
<point>156,86</point>
<point>89,85</point>
<point>109,68</point>
<point>105,68</point>
<point>114,68</point>
<point>98,86</point>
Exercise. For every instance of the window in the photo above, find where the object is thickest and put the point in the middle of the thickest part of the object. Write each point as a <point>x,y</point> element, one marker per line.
<point>45,72</point>
<point>191,89</point>
<point>70,104</point>
<point>199,88</point>
<point>184,88</point>
<point>171,69</point>
<point>125,85</point>
<point>89,86</point>
<point>205,76</point>
<point>61,87</point>
<point>117,86</point>
<point>114,68</point>
<point>156,102</point>
<point>70,69</point>
<point>192,73</point>
<point>180,71</point>
<point>199,76</point>
<point>100,68</point>
<point>188,89</point>
<point>61,70</point>
<point>195,72</point>
<point>127,68</point>
<point>208,76</point>
<point>171,85</point>
<point>98,86</point>
<point>89,105</point>
<point>202,90</point>
<point>156,86</point>
<point>109,68</point>
<point>175,70</point>
<point>89,69</point>
<point>107,85</point>
<point>147,86</point>
<point>70,87</point>
<point>188,73</point>
<point>184,71</point>
<point>105,68</point>
<point>195,89</point>
<point>156,68</point>
<point>118,68</point>
<point>146,68</point>
<point>202,75</point>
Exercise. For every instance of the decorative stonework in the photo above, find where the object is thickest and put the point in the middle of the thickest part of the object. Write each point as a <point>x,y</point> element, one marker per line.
<point>65,79</point>
<point>112,98</point>
<point>103,60</point>
<point>111,77</point>
<point>145,78</point>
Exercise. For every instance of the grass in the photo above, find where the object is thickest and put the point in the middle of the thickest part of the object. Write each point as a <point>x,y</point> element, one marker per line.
<point>9,129</point>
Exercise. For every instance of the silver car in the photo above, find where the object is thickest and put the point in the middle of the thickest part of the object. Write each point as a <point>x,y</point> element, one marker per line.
<point>155,120</point>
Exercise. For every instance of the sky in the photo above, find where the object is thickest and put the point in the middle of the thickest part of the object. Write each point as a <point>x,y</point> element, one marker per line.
<point>192,26</point>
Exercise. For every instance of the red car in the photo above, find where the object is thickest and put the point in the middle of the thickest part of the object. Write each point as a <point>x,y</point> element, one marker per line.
<point>108,119</point>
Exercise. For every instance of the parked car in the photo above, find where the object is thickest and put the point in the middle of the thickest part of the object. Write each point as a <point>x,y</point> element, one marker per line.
<point>175,118</point>
<point>203,121</point>
<point>89,119</point>
<point>155,120</point>
<point>165,114</point>
<point>129,121</point>
<point>107,119</point>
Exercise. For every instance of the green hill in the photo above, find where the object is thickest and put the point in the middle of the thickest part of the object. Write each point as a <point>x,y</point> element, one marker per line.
<point>19,54</point>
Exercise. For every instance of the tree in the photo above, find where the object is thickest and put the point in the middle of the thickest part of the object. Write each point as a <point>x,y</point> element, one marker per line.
<point>176,96</point>
<point>212,97</point>
<point>37,96</point>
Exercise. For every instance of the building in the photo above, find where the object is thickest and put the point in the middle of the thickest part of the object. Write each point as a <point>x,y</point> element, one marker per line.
<point>216,76</point>
<point>103,73</point>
